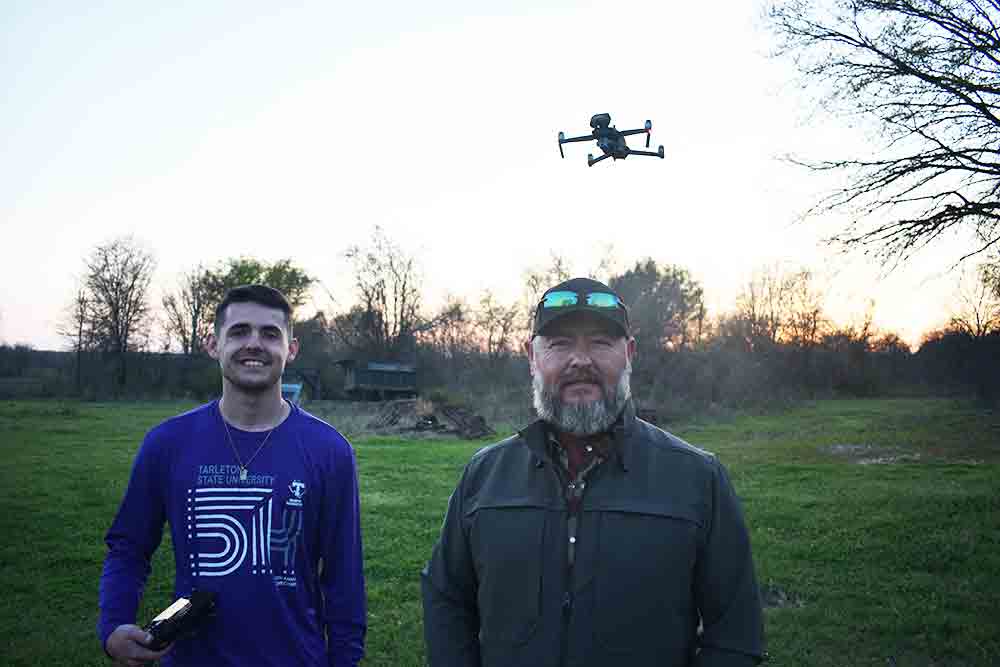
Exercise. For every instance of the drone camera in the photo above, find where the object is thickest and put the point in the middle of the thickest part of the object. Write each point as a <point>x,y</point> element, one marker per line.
<point>600,120</point>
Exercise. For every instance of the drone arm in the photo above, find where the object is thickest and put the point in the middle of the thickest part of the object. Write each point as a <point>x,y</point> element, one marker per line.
<point>564,140</point>
<point>645,131</point>
<point>649,153</point>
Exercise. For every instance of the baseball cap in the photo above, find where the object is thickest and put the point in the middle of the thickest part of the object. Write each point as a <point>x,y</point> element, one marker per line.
<point>580,295</point>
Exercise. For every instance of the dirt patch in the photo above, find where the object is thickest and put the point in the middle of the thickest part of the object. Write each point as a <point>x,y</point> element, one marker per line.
<point>408,418</point>
<point>922,660</point>
<point>889,458</point>
<point>776,597</point>
<point>423,416</point>
<point>867,454</point>
<point>847,450</point>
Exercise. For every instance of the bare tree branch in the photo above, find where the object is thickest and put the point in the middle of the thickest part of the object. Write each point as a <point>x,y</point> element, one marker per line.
<point>927,72</point>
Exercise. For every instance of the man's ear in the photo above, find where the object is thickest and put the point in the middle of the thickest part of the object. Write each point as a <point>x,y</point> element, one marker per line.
<point>212,345</point>
<point>529,350</point>
<point>630,346</point>
<point>293,350</point>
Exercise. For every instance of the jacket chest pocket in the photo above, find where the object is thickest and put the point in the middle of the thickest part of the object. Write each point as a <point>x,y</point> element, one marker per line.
<point>644,573</point>
<point>507,546</point>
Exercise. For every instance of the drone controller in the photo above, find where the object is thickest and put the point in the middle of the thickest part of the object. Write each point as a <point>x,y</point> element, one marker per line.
<point>180,619</point>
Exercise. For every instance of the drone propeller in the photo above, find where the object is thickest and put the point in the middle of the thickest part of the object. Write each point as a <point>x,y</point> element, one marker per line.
<point>649,126</point>
<point>562,136</point>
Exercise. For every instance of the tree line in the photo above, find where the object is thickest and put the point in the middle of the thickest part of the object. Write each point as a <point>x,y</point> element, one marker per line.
<point>776,343</point>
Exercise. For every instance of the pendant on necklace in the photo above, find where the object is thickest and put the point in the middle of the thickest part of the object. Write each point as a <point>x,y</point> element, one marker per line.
<point>243,474</point>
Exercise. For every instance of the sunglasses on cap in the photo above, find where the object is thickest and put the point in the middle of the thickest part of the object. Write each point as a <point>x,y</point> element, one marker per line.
<point>566,298</point>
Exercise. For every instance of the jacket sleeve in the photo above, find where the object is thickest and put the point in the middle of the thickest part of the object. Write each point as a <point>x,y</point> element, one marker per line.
<point>342,578</point>
<point>451,617</point>
<point>133,538</point>
<point>725,585</point>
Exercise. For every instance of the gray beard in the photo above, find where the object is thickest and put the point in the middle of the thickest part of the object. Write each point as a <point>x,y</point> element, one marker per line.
<point>581,418</point>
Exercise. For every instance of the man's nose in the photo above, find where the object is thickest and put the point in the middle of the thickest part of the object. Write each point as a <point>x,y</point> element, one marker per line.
<point>253,340</point>
<point>580,356</point>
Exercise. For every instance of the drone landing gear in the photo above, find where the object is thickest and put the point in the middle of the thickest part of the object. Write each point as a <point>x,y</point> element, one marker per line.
<point>591,161</point>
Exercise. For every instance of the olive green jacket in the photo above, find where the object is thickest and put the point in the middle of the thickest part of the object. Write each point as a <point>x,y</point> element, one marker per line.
<point>660,546</point>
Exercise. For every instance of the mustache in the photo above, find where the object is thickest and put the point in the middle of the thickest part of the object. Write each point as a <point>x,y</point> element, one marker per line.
<point>579,376</point>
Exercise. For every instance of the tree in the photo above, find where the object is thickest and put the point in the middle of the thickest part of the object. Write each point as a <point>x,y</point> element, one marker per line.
<point>989,273</point>
<point>282,275</point>
<point>978,313</point>
<point>76,328</point>
<point>763,304</point>
<point>496,325</point>
<point>927,72</point>
<point>453,337</point>
<point>665,304</point>
<point>806,320</point>
<point>778,306</point>
<point>188,310</point>
<point>387,317</point>
<point>116,287</point>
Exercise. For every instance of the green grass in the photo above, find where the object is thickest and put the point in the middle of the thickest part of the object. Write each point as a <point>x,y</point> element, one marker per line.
<point>899,559</point>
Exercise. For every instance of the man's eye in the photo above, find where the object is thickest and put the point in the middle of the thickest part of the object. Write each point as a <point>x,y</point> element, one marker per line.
<point>559,344</point>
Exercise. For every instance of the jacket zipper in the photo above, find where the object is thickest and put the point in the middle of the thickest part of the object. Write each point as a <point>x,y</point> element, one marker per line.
<point>567,601</point>
<point>572,530</point>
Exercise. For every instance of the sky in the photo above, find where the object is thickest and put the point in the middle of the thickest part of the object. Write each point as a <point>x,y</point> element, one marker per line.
<point>210,130</point>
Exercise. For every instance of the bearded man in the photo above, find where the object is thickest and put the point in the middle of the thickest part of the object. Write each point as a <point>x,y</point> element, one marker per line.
<point>591,537</point>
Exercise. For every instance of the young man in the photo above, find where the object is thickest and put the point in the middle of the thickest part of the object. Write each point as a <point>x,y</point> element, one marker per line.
<point>591,538</point>
<point>262,502</point>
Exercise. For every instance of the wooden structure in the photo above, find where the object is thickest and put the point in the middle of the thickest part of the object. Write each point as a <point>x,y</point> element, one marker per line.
<point>379,380</point>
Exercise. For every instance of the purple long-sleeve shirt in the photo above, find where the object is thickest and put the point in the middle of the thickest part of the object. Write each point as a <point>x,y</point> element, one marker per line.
<point>281,549</point>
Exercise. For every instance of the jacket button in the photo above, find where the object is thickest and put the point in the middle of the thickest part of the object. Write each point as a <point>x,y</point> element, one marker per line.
<point>572,540</point>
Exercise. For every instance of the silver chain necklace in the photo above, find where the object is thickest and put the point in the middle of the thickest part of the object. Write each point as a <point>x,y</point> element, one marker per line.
<point>229,436</point>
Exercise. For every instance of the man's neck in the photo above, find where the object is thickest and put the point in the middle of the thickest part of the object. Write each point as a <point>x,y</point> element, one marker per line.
<point>570,440</point>
<point>253,412</point>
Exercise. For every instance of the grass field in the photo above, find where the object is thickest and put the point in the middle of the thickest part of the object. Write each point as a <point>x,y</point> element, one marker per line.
<point>876,526</point>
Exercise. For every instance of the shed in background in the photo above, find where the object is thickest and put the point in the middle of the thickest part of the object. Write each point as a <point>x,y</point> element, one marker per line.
<point>379,380</point>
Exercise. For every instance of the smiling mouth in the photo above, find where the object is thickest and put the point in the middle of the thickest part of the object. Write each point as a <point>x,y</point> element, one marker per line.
<point>252,363</point>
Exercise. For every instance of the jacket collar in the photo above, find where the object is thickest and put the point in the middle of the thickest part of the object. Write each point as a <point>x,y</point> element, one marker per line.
<point>535,437</point>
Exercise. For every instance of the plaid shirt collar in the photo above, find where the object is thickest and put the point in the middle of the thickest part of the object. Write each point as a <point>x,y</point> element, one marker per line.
<point>586,455</point>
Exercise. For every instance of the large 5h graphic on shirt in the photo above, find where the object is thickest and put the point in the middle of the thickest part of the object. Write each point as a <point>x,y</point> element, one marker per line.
<point>233,528</point>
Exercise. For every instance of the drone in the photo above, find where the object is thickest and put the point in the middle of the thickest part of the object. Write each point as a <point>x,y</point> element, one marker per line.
<point>610,140</point>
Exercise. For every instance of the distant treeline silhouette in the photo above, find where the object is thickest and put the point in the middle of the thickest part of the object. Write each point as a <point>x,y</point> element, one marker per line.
<point>725,370</point>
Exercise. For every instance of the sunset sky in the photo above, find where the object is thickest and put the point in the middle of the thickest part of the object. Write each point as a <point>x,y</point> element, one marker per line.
<point>216,129</point>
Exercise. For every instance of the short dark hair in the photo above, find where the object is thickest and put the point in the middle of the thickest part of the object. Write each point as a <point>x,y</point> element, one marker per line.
<point>263,295</point>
